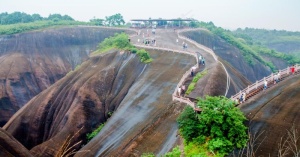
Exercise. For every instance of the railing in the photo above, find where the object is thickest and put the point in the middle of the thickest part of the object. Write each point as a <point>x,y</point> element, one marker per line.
<point>174,95</point>
<point>270,79</point>
<point>210,51</point>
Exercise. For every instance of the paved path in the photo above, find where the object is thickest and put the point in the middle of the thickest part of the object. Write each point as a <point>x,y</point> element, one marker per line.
<point>169,40</point>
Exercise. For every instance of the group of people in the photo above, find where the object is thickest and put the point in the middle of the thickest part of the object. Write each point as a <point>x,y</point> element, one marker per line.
<point>201,60</point>
<point>193,70</point>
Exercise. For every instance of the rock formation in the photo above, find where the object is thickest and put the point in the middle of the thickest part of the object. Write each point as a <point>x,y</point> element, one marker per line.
<point>31,62</point>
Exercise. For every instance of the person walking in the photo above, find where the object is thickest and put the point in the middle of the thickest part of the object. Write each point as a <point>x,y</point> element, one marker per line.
<point>265,84</point>
<point>293,69</point>
<point>183,89</point>
<point>179,91</point>
<point>244,97</point>
<point>275,78</point>
<point>203,61</point>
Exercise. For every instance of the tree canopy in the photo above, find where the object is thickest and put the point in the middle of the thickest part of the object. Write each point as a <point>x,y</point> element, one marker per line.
<point>114,20</point>
<point>220,125</point>
<point>20,17</point>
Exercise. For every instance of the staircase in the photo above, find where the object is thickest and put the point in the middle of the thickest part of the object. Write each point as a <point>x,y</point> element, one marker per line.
<point>257,87</point>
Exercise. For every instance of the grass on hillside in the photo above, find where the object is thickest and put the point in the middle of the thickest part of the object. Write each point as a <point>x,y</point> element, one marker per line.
<point>23,27</point>
<point>194,82</point>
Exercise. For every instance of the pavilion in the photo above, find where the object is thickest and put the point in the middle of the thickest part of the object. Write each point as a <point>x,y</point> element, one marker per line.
<point>160,22</point>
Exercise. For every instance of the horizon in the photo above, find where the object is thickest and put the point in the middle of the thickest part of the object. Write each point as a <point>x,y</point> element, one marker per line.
<point>230,14</point>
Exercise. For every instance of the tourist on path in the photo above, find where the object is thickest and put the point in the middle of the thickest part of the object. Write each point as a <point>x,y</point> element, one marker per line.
<point>265,84</point>
<point>183,89</point>
<point>179,91</point>
<point>293,69</point>
<point>244,97</point>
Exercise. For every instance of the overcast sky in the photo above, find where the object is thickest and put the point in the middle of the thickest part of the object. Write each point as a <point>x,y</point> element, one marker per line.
<point>229,14</point>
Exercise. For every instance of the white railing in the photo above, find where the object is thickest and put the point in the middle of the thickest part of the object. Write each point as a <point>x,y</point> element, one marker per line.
<point>210,51</point>
<point>270,79</point>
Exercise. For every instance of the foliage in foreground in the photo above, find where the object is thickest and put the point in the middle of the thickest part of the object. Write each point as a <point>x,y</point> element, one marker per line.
<point>174,153</point>
<point>220,125</point>
<point>121,42</point>
<point>91,135</point>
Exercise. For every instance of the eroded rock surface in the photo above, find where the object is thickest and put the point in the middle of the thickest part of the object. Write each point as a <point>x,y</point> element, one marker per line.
<point>82,99</point>
<point>31,62</point>
<point>272,113</point>
<point>10,147</point>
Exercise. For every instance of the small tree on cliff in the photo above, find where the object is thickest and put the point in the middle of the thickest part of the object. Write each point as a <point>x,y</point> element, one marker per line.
<point>220,125</point>
<point>114,20</point>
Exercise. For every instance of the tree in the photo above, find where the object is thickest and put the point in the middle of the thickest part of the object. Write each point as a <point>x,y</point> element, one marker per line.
<point>36,17</point>
<point>114,20</point>
<point>56,17</point>
<point>220,124</point>
<point>97,22</point>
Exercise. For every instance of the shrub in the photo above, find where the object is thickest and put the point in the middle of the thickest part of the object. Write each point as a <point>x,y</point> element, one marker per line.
<point>144,56</point>
<point>118,41</point>
<point>91,135</point>
<point>174,153</point>
<point>191,87</point>
<point>220,125</point>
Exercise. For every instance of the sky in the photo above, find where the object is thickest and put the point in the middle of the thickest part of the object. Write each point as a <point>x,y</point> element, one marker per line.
<point>229,14</point>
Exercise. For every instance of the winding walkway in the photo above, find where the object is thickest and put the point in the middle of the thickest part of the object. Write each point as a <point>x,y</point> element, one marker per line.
<point>177,48</point>
<point>257,87</point>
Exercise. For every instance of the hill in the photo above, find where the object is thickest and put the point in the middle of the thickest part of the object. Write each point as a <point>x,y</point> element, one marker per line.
<point>31,62</point>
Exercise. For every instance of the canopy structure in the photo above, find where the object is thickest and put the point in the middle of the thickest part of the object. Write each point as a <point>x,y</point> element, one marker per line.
<point>160,22</point>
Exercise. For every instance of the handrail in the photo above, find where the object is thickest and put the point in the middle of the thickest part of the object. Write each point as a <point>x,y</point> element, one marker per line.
<point>270,79</point>
<point>210,51</point>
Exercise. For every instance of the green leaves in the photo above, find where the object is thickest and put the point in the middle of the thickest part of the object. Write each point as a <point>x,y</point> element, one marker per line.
<point>94,133</point>
<point>220,123</point>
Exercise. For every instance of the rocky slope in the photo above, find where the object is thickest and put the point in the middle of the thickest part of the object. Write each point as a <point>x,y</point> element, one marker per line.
<point>10,147</point>
<point>82,99</point>
<point>31,62</point>
<point>230,54</point>
<point>273,113</point>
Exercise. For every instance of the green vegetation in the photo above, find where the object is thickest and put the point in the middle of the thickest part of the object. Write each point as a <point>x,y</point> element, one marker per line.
<point>194,81</point>
<point>260,39</point>
<point>249,49</point>
<point>18,22</point>
<point>121,42</point>
<point>91,135</point>
<point>118,41</point>
<point>22,27</point>
<point>18,17</point>
<point>174,153</point>
<point>218,129</point>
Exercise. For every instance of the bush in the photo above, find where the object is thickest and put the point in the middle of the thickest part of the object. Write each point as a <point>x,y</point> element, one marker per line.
<point>174,153</point>
<point>220,124</point>
<point>91,135</point>
<point>144,56</point>
<point>191,87</point>
<point>118,41</point>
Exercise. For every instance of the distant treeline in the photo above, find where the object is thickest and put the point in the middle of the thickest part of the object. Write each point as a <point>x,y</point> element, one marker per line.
<point>18,22</point>
<point>20,17</point>
<point>250,50</point>
<point>263,36</point>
